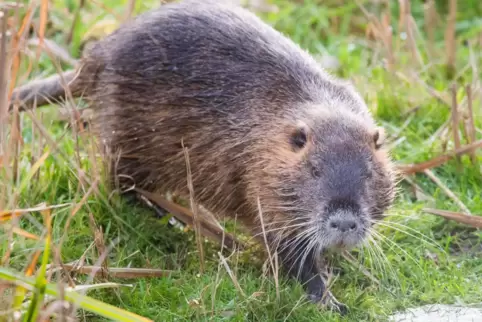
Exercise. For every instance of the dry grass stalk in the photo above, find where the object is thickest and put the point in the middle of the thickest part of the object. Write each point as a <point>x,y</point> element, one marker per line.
<point>473,62</point>
<point>450,43</point>
<point>3,106</point>
<point>70,35</point>
<point>382,31</point>
<point>85,114</point>
<point>455,122</point>
<point>10,5</point>
<point>388,39</point>
<point>231,275</point>
<point>419,193</point>
<point>3,73</point>
<point>15,142</point>
<point>435,162</point>
<point>268,249</point>
<point>407,24</point>
<point>54,146</point>
<point>44,7</point>
<point>117,272</point>
<point>445,138</point>
<point>54,309</point>
<point>54,48</point>
<point>184,215</point>
<point>446,190</point>
<point>97,268</point>
<point>432,91</point>
<point>474,220</point>
<point>17,41</point>
<point>194,208</point>
<point>8,214</point>
<point>106,9</point>
<point>471,135</point>
<point>99,242</point>
<point>130,9</point>
<point>430,25</point>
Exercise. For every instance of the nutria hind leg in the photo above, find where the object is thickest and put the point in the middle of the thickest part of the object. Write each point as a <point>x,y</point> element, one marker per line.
<point>308,274</point>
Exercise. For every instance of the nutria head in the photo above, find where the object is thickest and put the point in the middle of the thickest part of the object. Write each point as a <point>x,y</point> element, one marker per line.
<point>326,178</point>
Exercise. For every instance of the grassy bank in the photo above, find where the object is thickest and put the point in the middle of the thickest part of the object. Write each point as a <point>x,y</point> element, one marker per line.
<point>407,80</point>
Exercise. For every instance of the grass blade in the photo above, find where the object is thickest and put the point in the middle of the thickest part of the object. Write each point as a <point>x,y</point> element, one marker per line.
<point>82,301</point>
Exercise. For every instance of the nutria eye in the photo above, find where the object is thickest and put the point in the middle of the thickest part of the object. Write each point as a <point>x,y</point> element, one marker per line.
<point>299,138</point>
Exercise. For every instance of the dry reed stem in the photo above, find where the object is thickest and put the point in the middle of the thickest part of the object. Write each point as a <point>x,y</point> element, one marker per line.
<point>184,215</point>
<point>446,190</point>
<point>54,309</point>
<point>16,42</point>
<point>4,161</point>
<point>98,242</point>
<point>430,25</point>
<point>388,40</point>
<point>406,23</point>
<point>130,9</point>
<point>194,208</point>
<point>472,220</point>
<point>97,267</point>
<point>437,161</point>
<point>450,43</point>
<point>106,9</point>
<point>70,35</point>
<point>30,269</point>
<point>471,135</point>
<point>455,123</point>
<point>433,92</point>
<point>473,62</point>
<point>55,49</point>
<point>10,5</point>
<point>231,275</point>
<point>44,7</point>
<point>40,207</point>
<point>25,234</point>
<point>54,145</point>
<point>380,30</point>
<point>117,272</point>
<point>3,74</point>
<point>419,193</point>
<point>268,249</point>
<point>15,139</point>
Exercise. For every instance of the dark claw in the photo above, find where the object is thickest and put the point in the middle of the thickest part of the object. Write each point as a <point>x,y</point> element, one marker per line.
<point>318,294</point>
<point>330,302</point>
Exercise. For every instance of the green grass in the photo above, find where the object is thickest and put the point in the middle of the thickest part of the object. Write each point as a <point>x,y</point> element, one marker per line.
<point>425,258</point>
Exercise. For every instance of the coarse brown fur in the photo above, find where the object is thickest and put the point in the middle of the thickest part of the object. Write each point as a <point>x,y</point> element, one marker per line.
<point>265,127</point>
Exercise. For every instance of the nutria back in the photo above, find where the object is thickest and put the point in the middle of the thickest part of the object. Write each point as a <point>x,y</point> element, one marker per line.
<point>266,128</point>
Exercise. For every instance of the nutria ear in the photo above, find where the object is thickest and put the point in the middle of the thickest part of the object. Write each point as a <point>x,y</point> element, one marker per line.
<point>379,137</point>
<point>299,136</point>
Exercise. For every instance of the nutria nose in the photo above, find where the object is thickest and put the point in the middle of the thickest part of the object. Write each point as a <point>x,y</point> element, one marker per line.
<point>343,225</point>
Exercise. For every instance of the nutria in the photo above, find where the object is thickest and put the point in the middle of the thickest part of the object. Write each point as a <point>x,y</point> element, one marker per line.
<point>267,130</point>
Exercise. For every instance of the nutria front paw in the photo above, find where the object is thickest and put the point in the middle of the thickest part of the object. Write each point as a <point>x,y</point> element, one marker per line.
<point>327,300</point>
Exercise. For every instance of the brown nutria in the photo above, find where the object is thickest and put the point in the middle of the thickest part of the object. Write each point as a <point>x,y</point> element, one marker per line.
<point>267,129</point>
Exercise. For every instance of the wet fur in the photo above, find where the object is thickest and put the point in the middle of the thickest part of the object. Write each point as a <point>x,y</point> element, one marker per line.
<point>216,79</point>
